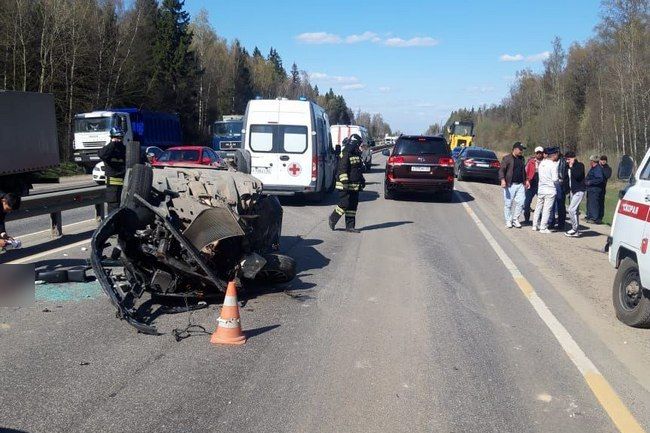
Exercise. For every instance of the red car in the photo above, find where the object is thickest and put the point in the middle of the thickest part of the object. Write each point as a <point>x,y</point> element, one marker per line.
<point>420,164</point>
<point>188,156</point>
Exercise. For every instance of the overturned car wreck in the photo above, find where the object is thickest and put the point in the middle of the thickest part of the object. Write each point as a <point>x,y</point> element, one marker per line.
<point>184,233</point>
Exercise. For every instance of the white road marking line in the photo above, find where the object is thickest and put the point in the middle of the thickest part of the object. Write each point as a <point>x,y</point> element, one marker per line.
<point>47,231</point>
<point>605,394</point>
<point>47,253</point>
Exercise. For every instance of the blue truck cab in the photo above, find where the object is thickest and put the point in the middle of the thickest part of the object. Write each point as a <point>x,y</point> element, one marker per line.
<point>226,134</point>
<point>148,128</point>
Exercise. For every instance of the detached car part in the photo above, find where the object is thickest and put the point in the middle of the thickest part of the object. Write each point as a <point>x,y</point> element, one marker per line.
<point>184,233</point>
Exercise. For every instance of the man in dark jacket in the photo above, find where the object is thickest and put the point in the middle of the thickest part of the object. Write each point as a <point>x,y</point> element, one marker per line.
<point>607,172</point>
<point>350,182</point>
<point>559,206</point>
<point>574,183</point>
<point>514,182</point>
<point>8,202</point>
<point>114,157</point>
<point>594,182</point>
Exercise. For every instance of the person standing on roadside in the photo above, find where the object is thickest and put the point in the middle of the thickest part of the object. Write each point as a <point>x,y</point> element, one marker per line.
<point>512,176</point>
<point>575,184</point>
<point>594,181</point>
<point>607,172</point>
<point>9,202</point>
<point>114,157</point>
<point>548,180</point>
<point>532,167</point>
<point>559,207</point>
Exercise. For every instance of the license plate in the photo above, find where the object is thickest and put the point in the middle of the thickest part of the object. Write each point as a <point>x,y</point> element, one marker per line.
<point>483,165</point>
<point>261,170</point>
<point>424,169</point>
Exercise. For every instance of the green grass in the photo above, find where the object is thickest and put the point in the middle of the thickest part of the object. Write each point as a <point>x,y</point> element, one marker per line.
<point>64,169</point>
<point>611,199</point>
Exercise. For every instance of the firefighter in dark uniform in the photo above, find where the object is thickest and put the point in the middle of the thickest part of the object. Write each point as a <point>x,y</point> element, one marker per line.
<point>350,182</point>
<point>114,157</point>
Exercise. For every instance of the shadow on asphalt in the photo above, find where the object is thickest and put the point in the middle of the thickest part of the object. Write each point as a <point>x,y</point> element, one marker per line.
<point>45,246</point>
<point>590,234</point>
<point>459,197</point>
<point>330,199</point>
<point>385,225</point>
<point>10,430</point>
<point>250,333</point>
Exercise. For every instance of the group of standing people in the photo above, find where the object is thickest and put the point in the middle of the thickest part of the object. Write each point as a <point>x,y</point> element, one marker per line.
<point>551,176</point>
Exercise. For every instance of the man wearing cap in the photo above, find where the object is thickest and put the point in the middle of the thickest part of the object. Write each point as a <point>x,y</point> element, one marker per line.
<point>575,184</point>
<point>533,178</point>
<point>514,182</point>
<point>607,172</point>
<point>548,180</point>
<point>594,181</point>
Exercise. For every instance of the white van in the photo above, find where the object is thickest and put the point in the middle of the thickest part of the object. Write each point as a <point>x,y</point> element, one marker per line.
<point>628,245</point>
<point>341,132</point>
<point>290,147</point>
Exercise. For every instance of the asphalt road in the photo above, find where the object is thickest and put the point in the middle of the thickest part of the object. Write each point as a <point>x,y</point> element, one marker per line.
<point>413,325</point>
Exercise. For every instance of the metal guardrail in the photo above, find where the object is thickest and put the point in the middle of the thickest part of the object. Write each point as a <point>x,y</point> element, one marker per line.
<point>54,202</point>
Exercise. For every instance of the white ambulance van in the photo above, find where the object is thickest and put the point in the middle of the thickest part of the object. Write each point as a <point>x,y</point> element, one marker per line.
<point>628,245</point>
<point>290,147</point>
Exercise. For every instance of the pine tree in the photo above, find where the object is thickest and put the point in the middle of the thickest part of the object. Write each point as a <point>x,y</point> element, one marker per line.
<point>257,54</point>
<point>176,68</point>
<point>275,58</point>
<point>244,90</point>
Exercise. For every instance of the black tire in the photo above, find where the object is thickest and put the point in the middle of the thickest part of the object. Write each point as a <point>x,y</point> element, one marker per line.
<point>631,300</point>
<point>447,196</point>
<point>278,269</point>
<point>332,186</point>
<point>88,169</point>
<point>388,194</point>
<point>139,181</point>
<point>242,162</point>
<point>133,154</point>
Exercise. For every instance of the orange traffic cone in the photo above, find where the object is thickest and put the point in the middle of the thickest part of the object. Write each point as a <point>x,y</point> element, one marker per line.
<point>228,325</point>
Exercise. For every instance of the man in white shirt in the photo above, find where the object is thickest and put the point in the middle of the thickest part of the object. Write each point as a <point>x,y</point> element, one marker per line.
<point>548,180</point>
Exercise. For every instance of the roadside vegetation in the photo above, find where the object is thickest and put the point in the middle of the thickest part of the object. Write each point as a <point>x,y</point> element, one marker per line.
<point>593,97</point>
<point>94,54</point>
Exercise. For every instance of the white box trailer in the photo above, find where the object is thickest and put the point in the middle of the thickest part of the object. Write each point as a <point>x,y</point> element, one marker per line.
<point>28,138</point>
<point>341,132</point>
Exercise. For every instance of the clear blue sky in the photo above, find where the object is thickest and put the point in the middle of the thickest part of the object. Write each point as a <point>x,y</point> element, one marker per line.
<point>412,61</point>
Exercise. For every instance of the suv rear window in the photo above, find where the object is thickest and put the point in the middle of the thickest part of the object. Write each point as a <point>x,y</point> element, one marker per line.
<point>414,146</point>
<point>278,138</point>
<point>487,154</point>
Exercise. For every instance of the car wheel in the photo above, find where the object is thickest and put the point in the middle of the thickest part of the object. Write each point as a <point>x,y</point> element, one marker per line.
<point>631,301</point>
<point>278,269</point>
<point>388,194</point>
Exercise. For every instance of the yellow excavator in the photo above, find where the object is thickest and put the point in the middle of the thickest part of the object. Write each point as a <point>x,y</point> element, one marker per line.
<point>461,134</point>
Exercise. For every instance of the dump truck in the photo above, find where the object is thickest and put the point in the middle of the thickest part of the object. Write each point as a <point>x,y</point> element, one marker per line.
<point>461,134</point>
<point>28,139</point>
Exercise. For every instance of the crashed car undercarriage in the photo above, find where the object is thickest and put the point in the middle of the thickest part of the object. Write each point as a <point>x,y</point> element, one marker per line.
<point>184,233</point>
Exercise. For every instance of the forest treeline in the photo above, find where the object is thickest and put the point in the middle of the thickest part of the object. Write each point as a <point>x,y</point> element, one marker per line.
<point>593,97</point>
<point>96,54</point>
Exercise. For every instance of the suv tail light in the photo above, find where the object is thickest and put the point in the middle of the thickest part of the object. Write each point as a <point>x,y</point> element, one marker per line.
<point>468,162</point>
<point>446,161</point>
<point>314,168</point>
<point>495,164</point>
<point>396,160</point>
